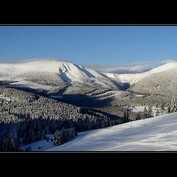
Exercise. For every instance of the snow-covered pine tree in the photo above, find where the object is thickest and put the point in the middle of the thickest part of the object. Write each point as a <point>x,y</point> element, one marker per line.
<point>157,112</point>
<point>138,117</point>
<point>64,135</point>
<point>163,108</point>
<point>150,113</point>
<point>145,113</point>
<point>169,109</point>
<point>57,138</point>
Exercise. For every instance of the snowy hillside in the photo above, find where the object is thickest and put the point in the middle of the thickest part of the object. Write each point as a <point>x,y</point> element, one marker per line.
<point>134,78</point>
<point>153,134</point>
<point>52,73</point>
<point>164,83</point>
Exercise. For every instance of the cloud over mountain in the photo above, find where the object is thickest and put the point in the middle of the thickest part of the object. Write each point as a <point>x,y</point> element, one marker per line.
<point>137,67</point>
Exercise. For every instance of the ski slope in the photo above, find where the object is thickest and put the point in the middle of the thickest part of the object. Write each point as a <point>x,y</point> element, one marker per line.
<point>153,134</point>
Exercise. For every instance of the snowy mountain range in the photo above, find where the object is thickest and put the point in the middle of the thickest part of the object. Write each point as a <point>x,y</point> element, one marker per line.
<point>58,79</point>
<point>48,75</point>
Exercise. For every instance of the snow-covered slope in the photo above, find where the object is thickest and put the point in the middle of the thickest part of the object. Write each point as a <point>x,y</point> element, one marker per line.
<point>52,73</point>
<point>153,134</point>
<point>164,83</point>
<point>67,70</point>
<point>134,78</point>
<point>46,74</point>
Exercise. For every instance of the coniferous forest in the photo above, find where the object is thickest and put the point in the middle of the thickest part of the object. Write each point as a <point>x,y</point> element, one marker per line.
<point>29,117</point>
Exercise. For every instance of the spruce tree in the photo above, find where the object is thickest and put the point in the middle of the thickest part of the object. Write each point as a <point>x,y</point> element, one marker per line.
<point>126,115</point>
<point>145,113</point>
<point>9,144</point>
<point>64,135</point>
<point>138,117</point>
<point>57,138</point>
<point>157,112</point>
<point>169,109</point>
<point>150,113</point>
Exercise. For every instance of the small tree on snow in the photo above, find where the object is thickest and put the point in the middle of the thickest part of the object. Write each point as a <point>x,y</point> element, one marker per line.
<point>145,113</point>
<point>60,137</point>
<point>64,135</point>
<point>163,109</point>
<point>150,112</point>
<point>157,112</point>
<point>169,109</point>
<point>138,117</point>
<point>126,115</point>
<point>57,138</point>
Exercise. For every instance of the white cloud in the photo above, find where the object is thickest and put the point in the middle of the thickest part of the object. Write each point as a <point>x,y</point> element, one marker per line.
<point>137,67</point>
<point>33,59</point>
<point>155,62</point>
<point>119,69</point>
<point>169,61</point>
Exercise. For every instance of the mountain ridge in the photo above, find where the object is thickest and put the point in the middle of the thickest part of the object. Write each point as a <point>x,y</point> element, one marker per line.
<point>65,71</point>
<point>134,78</point>
<point>56,73</point>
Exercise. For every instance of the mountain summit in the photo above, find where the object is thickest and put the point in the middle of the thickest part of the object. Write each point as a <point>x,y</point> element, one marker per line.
<point>53,73</point>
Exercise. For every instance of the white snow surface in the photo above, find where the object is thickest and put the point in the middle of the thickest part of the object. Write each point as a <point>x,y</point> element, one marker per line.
<point>134,78</point>
<point>41,145</point>
<point>153,134</point>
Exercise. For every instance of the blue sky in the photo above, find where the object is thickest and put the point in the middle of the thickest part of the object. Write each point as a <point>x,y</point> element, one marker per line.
<point>90,45</point>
